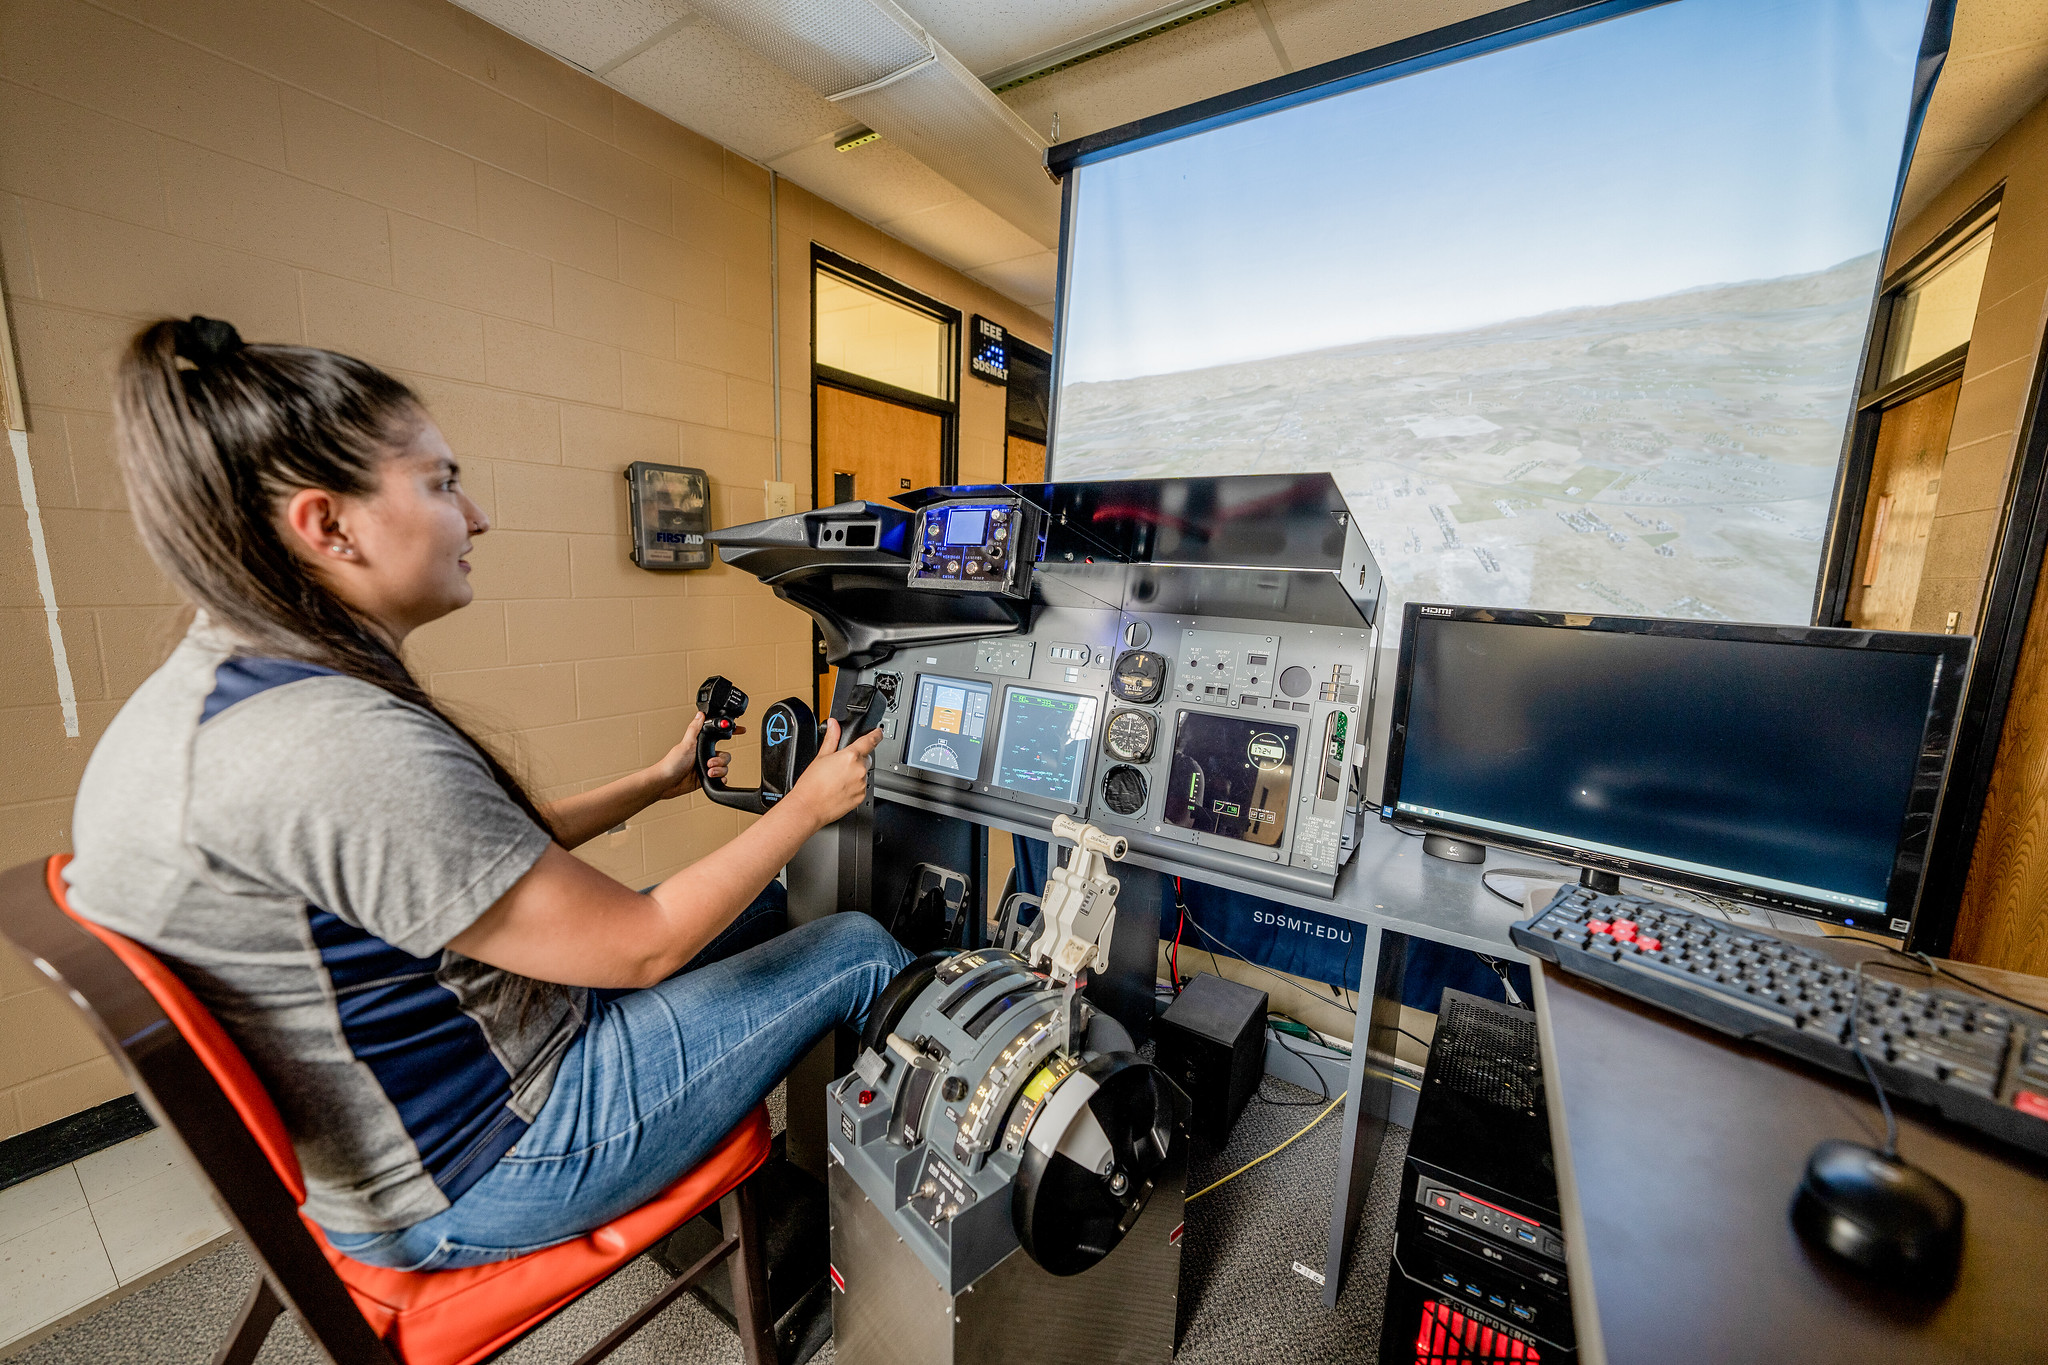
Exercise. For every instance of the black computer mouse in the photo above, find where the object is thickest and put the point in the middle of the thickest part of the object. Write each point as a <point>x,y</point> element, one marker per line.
<point>1889,1220</point>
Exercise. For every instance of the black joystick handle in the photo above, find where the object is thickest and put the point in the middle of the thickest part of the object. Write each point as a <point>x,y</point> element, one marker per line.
<point>722,705</point>
<point>789,741</point>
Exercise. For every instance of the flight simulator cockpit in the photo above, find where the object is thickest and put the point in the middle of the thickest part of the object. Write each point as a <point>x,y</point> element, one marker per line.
<point>1172,674</point>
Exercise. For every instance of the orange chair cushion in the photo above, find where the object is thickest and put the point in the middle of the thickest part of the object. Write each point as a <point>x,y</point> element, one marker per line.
<point>453,1317</point>
<point>441,1317</point>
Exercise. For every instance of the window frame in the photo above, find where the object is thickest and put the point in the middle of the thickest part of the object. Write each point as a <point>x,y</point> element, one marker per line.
<point>1875,397</point>
<point>825,260</point>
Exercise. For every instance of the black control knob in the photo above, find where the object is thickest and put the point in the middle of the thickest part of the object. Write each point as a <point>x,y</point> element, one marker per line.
<point>955,1089</point>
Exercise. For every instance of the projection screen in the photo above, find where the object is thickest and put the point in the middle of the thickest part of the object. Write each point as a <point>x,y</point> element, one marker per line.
<point>1576,322</point>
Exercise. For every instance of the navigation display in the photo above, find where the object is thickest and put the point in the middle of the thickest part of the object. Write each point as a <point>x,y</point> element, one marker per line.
<point>948,726</point>
<point>1231,777</point>
<point>1045,741</point>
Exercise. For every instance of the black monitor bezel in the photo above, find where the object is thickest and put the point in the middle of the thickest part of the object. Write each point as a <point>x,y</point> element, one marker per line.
<point>1089,761</point>
<point>903,763</point>
<point>1909,864</point>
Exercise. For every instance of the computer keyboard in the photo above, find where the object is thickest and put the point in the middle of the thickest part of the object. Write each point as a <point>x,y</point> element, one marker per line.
<point>1980,1062</point>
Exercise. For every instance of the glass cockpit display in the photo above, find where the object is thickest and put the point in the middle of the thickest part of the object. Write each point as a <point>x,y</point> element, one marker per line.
<point>1043,748</point>
<point>948,727</point>
<point>1231,777</point>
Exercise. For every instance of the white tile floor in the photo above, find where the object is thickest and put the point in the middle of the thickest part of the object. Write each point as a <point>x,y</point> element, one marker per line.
<point>76,1235</point>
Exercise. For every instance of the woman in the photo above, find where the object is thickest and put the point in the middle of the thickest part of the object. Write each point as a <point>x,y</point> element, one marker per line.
<point>480,1044</point>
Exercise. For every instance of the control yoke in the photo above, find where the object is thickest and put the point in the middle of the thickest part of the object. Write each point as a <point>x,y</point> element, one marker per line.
<point>789,741</point>
<point>1078,912</point>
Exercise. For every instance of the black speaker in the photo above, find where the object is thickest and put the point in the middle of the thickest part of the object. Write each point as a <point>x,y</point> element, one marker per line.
<point>1212,1043</point>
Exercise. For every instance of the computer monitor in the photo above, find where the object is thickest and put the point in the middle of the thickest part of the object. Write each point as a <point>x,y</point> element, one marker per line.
<point>947,727</point>
<point>1043,748</point>
<point>1789,767</point>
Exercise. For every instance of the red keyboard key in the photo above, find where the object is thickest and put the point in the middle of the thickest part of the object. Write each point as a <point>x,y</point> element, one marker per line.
<point>1649,945</point>
<point>2030,1102</point>
<point>1597,926</point>
<point>1624,929</point>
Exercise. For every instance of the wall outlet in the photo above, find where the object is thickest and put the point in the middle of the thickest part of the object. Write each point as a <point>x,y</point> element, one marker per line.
<point>781,498</point>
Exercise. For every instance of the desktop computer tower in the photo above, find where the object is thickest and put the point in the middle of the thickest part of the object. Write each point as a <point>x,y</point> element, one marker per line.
<point>1479,1274</point>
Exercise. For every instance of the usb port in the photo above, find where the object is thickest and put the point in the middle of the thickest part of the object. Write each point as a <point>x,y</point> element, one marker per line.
<point>1467,1211</point>
<point>1450,1279</point>
<point>1525,1314</point>
<point>1496,1300</point>
<point>1526,1235</point>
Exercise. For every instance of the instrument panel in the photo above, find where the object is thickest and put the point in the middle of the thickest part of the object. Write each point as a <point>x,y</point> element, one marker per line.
<point>1211,745</point>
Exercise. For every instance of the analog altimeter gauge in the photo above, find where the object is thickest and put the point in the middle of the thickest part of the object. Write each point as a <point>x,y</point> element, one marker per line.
<point>1130,736</point>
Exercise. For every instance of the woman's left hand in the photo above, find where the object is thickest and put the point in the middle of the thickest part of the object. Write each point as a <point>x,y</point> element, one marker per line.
<point>677,770</point>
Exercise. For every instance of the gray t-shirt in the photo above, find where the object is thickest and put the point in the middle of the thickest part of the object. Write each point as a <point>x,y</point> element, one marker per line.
<point>300,846</point>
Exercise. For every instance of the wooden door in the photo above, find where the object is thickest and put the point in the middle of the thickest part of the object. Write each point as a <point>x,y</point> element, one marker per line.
<point>872,449</point>
<point>1905,482</point>
<point>1023,461</point>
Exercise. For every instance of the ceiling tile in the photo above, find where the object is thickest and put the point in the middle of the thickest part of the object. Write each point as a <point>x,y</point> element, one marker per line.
<point>589,33</point>
<point>1222,52</point>
<point>711,83</point>
<point>1031,280</point>
<point>965,233</point>
<point>874,182</point>
<point>990,34</point>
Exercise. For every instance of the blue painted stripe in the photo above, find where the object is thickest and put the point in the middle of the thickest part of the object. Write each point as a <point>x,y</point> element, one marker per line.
<point>239,679</point>
<point>432,1061</point>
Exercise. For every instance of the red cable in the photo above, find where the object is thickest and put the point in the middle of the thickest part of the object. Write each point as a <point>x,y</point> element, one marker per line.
<point>1173,958</point>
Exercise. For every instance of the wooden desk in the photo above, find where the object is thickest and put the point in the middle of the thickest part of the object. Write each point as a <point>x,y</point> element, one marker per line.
<point>1678,1151</point>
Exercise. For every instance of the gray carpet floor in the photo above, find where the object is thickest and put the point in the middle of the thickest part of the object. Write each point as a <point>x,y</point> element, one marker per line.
<point>1242,1240</point>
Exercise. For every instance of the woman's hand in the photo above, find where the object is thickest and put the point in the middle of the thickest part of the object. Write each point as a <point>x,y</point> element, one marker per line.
<point>676,773</point>
<point>837,780</point>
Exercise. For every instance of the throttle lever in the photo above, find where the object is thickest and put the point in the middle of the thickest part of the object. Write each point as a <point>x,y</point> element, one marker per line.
<point>862,709</point>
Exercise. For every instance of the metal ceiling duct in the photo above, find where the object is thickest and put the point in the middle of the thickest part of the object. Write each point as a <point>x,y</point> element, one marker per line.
<point>882,67</point>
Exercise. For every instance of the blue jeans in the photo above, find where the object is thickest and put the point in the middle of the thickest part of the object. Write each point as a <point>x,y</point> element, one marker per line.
<point>656,1079</point>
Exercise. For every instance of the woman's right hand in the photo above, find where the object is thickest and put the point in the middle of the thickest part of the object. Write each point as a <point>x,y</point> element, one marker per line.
<point>837,780</point>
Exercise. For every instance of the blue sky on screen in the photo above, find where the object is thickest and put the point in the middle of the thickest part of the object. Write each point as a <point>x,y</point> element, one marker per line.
<point>1703,142</point>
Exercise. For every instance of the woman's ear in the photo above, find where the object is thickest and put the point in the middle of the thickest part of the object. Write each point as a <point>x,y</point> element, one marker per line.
<point>312,521</point>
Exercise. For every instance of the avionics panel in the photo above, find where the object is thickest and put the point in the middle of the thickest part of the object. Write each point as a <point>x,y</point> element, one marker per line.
<point>1045,742</point>
<point>1088,712</point>
<point>1231,777</point>
<point>948,725</point>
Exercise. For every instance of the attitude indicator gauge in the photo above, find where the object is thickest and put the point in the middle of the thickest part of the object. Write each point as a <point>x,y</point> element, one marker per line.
<point>1139,676</point>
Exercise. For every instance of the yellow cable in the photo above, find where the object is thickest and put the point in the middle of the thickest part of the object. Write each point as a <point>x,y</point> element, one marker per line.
<point>1398,1080</point>
<point>1275,1152</point>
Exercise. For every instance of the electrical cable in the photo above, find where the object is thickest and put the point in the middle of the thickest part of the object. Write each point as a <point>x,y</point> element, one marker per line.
<point>1934,967</point>
<point>1322,1083</point>
<point>1275,1152</point>
<point>1242,958</point>
<point>1891,1123</point>
<point>1511,872</point>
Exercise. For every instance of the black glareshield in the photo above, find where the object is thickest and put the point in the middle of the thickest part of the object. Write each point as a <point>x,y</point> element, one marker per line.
<point>789,741</point>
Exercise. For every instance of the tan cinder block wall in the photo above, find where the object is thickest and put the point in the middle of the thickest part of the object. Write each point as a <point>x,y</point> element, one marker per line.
<point>2005,337</point>
<point>570,280</point>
